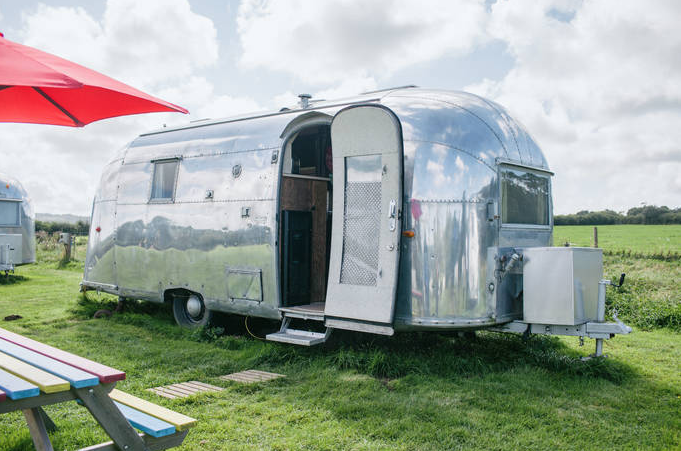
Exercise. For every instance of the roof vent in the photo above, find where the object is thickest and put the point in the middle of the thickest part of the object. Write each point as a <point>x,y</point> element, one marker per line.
<point>304,100</point>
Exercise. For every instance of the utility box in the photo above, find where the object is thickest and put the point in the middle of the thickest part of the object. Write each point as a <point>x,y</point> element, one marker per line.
<point>560,284</point>
<point>10,250</point>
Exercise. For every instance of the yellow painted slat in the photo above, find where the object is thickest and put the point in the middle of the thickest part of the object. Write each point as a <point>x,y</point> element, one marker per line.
<point>48,383</point>
<point>181,422</point>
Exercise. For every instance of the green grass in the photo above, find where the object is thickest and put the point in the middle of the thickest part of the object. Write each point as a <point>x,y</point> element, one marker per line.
<point>359,392</point>
<point>640,239</point>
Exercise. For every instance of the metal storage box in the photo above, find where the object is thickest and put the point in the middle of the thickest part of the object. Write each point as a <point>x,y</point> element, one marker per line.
<point>10,250</point>
<point>560,284</point>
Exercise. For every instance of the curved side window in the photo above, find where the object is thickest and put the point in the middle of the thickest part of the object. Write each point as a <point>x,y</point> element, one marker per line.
<point>163,184</point>
<point>9,213</point>
<point>524,197</point>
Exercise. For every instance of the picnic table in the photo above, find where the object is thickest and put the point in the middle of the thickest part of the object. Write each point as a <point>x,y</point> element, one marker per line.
<point>33,375</point>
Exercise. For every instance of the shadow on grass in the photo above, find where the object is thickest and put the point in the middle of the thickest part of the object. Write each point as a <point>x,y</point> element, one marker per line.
<point>381,357</point>
<point>12,279</point>
<point>446,356</point>
<point>134,312</point>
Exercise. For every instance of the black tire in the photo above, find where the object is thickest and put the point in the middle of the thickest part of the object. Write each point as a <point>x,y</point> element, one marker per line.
<point>187,314</point>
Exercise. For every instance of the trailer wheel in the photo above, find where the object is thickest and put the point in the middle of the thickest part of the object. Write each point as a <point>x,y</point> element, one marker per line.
<point>190,311</point>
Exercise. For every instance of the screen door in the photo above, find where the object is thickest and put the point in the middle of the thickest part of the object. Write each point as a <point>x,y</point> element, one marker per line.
<point>367,188</point>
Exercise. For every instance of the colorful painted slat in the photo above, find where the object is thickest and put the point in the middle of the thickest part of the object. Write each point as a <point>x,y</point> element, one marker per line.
<point>47,382</point>
<point>146,423</point>
<point>15,387</point>
<point>104,373</point>
<point>181,422</point>
<point>77,378</point>
<point>2,396</point>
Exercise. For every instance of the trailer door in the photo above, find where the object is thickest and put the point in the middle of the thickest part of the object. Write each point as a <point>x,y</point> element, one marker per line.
<point>367,195</point>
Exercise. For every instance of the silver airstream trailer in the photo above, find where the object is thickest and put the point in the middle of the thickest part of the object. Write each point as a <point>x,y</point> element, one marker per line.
<point>17,225</point>
<point>402,209</point>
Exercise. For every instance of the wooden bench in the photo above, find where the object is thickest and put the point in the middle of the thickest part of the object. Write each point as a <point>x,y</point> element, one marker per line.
<point>33,375</point>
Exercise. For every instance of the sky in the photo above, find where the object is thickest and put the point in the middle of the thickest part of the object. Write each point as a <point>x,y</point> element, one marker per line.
<point>596,83</point>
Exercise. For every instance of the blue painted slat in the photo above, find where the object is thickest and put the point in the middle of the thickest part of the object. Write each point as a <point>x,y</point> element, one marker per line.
<point>15,387</point>
<point>146,423</point>
<point>77,378</point>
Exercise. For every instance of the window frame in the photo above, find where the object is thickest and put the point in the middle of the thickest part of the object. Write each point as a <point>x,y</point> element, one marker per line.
<point>156,162</point>
<point>18,204</point>
<point>503,165</point>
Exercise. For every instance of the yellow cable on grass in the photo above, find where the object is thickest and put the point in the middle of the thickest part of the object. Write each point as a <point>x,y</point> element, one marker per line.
<point>249,330</point>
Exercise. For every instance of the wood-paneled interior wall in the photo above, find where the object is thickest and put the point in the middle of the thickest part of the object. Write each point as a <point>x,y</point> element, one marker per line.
<point>299,194</point>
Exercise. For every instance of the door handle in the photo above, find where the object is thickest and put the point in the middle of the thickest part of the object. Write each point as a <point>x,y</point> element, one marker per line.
<point>392,215</point>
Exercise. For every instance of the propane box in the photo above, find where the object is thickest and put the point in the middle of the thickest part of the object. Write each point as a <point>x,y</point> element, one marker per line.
<point>560,284</point>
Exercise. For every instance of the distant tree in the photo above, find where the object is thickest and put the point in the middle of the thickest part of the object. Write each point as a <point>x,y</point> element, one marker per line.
<point>79,228</point>
<point>648,214</point>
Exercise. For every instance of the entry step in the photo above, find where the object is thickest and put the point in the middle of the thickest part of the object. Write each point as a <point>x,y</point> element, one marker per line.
<point>296,336</point>
<point>300,337</point>
<point>314,311</point>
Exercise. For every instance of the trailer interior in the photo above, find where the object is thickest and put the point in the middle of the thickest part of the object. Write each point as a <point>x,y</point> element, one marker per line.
<point>305,219</point>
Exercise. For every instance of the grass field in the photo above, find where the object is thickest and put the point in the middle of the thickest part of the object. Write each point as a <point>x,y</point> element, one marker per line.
<point>643,239</point>
<point>409,392</point>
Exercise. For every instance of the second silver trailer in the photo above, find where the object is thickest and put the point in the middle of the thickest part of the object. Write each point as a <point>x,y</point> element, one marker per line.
<point>17,225</point>
<point>403,209</point>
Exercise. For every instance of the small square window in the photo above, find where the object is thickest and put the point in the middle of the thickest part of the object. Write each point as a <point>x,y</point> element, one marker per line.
<point>525,198</point>
<point>9,213</point>
<point>163,184</point>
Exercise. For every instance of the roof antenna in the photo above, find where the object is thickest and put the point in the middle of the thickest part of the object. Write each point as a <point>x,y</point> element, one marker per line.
<point>304,100</point>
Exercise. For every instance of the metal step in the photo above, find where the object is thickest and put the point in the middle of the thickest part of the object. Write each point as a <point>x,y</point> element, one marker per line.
<point>298,337</point>
<point>313,312</point>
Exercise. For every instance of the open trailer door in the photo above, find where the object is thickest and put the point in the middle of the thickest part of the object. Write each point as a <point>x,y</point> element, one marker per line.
<point>367,195</point>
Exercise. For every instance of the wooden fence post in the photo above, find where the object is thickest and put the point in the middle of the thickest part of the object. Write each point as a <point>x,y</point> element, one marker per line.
<point>595,236</point>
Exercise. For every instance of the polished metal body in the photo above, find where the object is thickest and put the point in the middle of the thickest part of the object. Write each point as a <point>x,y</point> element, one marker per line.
<point>17,237</point>
<point>218,234</point>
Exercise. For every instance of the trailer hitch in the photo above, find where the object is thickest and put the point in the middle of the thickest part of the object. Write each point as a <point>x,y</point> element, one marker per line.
<point>600,311</point>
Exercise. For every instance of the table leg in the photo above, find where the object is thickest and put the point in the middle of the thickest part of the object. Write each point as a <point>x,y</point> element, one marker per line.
<point>36,425</point>
<point>49,424</point>
<point>102,408</point>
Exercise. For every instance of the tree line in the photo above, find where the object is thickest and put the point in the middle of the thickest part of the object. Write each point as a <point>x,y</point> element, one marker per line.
<point>79,228</point>
<point>647,214</point>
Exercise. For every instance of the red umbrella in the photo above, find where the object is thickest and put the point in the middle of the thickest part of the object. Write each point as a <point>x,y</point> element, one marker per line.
<point>41,88</point>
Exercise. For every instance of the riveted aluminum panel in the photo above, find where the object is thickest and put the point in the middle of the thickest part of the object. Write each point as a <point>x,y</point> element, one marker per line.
<point>452,142</point>
<point>100,260</point>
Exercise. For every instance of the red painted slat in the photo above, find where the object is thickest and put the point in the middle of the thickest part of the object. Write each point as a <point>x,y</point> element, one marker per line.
<point>104,373</point>
<point>2,396</point>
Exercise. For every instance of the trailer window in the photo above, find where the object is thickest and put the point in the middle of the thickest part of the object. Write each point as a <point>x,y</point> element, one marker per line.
<point>9,213</point>
<point>163,184</point>
<point>524,197</point>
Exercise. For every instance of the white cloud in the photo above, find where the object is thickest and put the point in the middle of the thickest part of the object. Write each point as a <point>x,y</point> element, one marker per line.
<point>348,87</point>
<point>437,172</point>
<point>204,102</point>
<point>140,43</point>
<point>286,99</point>
<point>330,41</point>
<point>153,45</point>
<point>459,164</point>
<point>601,92</point>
